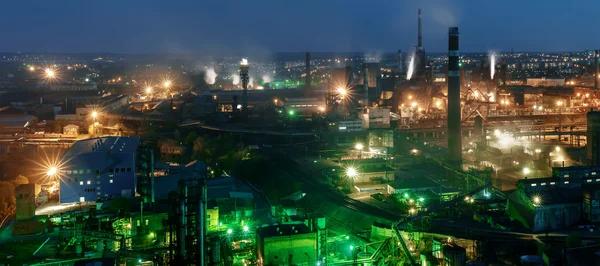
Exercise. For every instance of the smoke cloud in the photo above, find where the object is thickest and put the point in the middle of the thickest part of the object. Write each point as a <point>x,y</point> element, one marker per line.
<point>266,78</point>
<point>235,79</point>
<point>210,76</point>
<point>373,56</point>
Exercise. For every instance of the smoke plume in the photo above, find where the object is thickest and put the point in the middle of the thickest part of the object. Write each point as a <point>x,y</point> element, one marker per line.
<point>210,76</point>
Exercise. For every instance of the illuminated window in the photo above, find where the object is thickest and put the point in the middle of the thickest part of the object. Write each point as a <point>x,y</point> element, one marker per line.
<point>566,176</point>
<point>593,173</point>
<point>589,180</point>
<point>533,185</point>
<point>81,183</point>
<point>146,221</point>
<point>89,182</point>
<point>137,222</point>
<point>543,184</point>
<point>81,199</point>
<point>566,182</point>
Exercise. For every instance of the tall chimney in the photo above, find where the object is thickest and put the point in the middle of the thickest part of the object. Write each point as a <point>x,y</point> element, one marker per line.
<point>244,79</point>
<point>596,52</point>
<point>454,134</point>
<point>366,82</point>
<point>419,41</point>
<point>400,62</point>
<point>307,77</point>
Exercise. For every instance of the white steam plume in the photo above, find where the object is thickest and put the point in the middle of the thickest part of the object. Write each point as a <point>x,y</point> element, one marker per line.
<point>492,65</point>
<point>235,79</point>
<point>411,66</point>
<point>266,78</point>
<point>210,76</point>
<point>250,82</point>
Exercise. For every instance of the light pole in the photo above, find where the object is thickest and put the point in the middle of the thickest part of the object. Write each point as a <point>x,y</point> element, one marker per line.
<point>414,155</point>
<point>359,147</point>
<point>351,173</point>
<point>94,115</point>
<point>559,103</point>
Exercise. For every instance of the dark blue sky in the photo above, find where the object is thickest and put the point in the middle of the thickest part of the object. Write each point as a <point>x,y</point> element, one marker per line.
<point>141,26</point>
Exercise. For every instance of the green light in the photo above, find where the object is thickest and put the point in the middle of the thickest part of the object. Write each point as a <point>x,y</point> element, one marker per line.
<point>229,231</point>
<point>459,64</point>
<point>406,195</point>
<point>279,111</point>
<point>421,199</point>
<point>245,228</point>
<point>347,237</point>
<point>291,112</point>
<point>351,247</point>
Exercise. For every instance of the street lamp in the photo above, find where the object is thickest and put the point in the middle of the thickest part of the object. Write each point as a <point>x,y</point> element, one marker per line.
<point>94,114</point>
<point>526,171</point>
<point>148,90</point>
<point>537,200</point>
<point>359,147</point>
<point>51,171</point>
<point>351,172</point>
<point>167,84</point>
<point>245,228</point>
<point>229,231</point>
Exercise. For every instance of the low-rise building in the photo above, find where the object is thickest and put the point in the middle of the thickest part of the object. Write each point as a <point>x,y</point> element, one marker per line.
<point>286,244</point>
<point>99,168</point>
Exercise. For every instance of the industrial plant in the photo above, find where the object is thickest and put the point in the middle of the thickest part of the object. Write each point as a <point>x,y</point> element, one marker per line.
<point>311,158</point>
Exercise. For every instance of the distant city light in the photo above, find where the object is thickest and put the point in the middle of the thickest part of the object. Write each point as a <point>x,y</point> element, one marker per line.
<point>31,68</point>
<point>229,231</point>
<point>526,170</point>
<point>245,228</point>
<point>291,112</point>
<point>87,80</point>
<point>244,62</point>
<point>413,104</point>
<point>342,91</point>
<point>167,84</point>
<point>557,149</point>
<point>321,109</point>
<point>148,89</point>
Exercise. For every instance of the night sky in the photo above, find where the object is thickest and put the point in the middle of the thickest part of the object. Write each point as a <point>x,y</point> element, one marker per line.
<point>148,26</point>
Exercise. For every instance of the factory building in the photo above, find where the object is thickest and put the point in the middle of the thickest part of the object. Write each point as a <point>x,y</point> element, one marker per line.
<point>286,244</point>
<point>99,168</point>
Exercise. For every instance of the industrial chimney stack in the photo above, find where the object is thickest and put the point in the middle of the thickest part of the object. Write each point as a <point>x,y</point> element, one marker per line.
<point>419,38</point>
<point>307,77</point>
<point>596,52</point>
<point>366,83</point>
<point>454,134</point>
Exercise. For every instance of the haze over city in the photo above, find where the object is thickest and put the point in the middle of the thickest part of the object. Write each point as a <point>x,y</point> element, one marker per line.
<point>283,26</point>
<point>254,133</point>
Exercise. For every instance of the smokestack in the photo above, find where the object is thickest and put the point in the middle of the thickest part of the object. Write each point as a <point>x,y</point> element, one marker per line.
<point>307,77</point>
<point>454,134</point>
<point>366,83</point>
<point>419,39</point>
<point>596,74</point>
<point>245,79</point>
<point>400,62</point>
